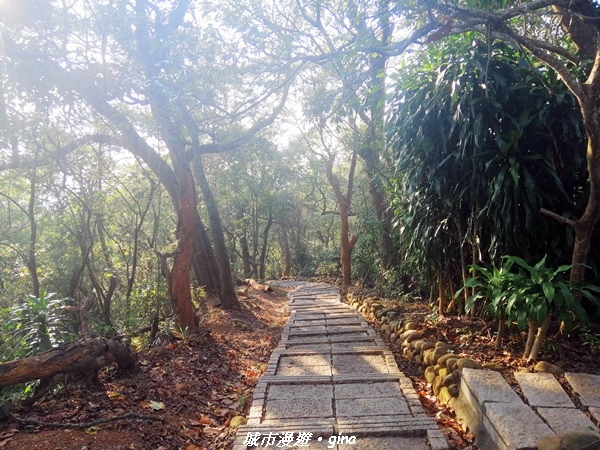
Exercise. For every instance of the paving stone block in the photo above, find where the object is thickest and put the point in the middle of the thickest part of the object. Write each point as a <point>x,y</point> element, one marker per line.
<point>361,368</point>
<point>275,380</point>
<point>542,389</point>
<point>315,359</point>
<point>511,426</point>
<point>290,392</point>
<point>367,390</point>
<point>299,408</point>
<point>564,420</point>
<point>301,371</point>
<point>398,425</point>
<point>587,386</point>
<point>364,378</point>
<point>354,344</point>
<point>358,359</point>
<point>437,440</point>
<point>319,347</point>
<point>353,407</point>
<point>480,387</point>
<point>308,329</point>
<point>308,322</point>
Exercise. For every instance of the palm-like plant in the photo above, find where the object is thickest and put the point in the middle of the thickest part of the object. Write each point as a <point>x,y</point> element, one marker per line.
<point>38,324</point>
<point>479,150</point>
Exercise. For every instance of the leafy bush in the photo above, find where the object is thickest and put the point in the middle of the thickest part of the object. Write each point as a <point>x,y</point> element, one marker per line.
<point>37,324</point>
<point>530,296</point>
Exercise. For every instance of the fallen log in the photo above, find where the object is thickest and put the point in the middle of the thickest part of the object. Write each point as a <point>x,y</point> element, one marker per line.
<point>259,287</point>
<point>84,356</point>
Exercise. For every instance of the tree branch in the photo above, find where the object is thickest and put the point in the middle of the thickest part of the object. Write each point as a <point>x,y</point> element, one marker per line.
<point>61,152</point>
<point>558,218</point>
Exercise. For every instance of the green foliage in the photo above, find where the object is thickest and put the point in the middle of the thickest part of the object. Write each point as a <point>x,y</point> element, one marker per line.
<point>36,325</point>
<point>521,292</point>
<point>481,144</point>
<point>590,339</point>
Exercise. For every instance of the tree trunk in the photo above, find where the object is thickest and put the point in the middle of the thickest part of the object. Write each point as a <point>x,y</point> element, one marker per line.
<point>463,265</point>
<point>32,258</point>
<point>204,262</point>
<point>371,152</point>
<point>531,331</point>
<point>539,340</point>
<point>181,295</point>
<point>441,294</point>
<point>584,227</point>
<point>246,258</point>
<point>265,245</point>
<point>227,293</point>
<point>344,201</point>
<point>500,335</point>
<point>285,250</point>
<point>82,356</point>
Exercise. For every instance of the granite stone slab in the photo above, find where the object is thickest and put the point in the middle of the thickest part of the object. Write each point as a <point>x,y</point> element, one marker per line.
<point>367,390</point>
<point>587,386</point>
<point>564,420</point>
<point>513,426</point>
<point>299,408</point>
<point>290,392</point>
<point>319,347</point>
<point>358,359</point>
<point>353,407</point>
<point>542,389</point>
<point>362,369</point>
<point>315,359</point>
<point>301,371</point>
<point>397,425</point>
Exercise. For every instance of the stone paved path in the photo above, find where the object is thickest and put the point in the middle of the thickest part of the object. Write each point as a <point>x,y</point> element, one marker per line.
<point>332,383</point>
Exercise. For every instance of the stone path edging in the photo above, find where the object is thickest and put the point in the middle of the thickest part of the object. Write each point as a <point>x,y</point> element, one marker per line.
<point>333,377</point>
<point>484,401</point>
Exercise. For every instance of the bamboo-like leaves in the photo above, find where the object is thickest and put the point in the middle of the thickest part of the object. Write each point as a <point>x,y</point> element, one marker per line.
<point>480,142</point>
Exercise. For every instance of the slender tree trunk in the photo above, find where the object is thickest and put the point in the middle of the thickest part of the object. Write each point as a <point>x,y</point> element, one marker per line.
<point>227,293</point>
<point>344,201</point>
<point>584,227</point>
<point>373,148</point>
<point>264,247</point>
<point>441,293</point>
<point>246,258</point>
<point>346,256</point>
<point>500,335</point>
<point>32,257</point>
<point>204,262</point>
<point>539,340</point>
<point>463,265</point>
<point>531,331</point>
<point>113,282</point>
<point>285,251</point>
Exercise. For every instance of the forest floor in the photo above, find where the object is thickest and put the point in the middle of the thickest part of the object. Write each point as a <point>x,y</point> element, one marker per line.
<point>196,386</point>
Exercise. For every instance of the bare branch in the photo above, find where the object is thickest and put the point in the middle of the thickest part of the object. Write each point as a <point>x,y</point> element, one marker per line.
<point>61,152</point>
<point>558,218</point>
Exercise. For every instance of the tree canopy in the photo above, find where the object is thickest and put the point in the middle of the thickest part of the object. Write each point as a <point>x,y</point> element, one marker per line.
<point>153,150</point>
